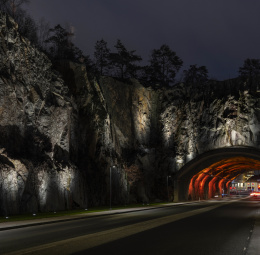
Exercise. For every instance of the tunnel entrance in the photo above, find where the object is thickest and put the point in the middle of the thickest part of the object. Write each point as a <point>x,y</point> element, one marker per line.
<point>210,174</point>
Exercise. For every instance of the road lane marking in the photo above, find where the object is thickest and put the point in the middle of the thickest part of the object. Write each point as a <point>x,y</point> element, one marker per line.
<point>254,245</point>
<point>81,243</point>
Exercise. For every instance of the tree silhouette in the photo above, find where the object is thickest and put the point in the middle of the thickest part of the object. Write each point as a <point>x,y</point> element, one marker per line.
<point>250,68</point>
<point>250,72</point>
<point>196,75</point>
<point>60,46</point>
<point>124,61</point>
<point>101,55</point>
<point>12,7</point>
<point>164,65</point>
<point>27,27</point>
<point>58,41</point>
<point>43,33</point>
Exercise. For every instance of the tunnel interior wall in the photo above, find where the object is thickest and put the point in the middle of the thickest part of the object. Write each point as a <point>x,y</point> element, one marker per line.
<point>211,173</point>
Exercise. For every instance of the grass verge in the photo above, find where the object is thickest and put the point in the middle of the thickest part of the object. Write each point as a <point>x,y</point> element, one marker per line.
<point>41,215</point>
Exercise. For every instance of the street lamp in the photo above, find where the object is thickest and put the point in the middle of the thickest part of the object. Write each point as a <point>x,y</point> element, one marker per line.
<point>111,185</point>
<point>168,176</point>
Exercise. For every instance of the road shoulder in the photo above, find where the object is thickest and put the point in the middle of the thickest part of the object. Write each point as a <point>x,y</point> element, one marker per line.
<point>254,244</point>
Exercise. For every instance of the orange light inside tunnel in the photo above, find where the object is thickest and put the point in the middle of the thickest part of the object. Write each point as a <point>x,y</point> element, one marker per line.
<point>219,175</point>
<point>212,187</point>
<point>196,186</point>
<point>227,184</point>
<point>198,183</point>
<point>191,189</point>
<point>202,186</point>
<point>221,185</point>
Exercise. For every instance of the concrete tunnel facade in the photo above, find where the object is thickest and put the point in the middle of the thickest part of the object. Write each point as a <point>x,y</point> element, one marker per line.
<point>212,172</point>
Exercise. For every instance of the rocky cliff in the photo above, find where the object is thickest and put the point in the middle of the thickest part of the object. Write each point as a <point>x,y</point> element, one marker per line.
<point>36,130</point>
<point>223,114</point>
<point>61,134</point>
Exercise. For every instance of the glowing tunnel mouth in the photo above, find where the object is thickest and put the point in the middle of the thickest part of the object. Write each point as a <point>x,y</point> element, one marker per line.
<point>216,178</point>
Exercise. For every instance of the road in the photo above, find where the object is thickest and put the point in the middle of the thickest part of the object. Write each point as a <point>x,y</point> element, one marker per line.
<point>215,227</point>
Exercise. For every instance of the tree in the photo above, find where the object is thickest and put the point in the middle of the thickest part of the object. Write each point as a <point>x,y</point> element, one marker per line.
<point>3,5</point>
<point>101,55</point>
<point>60,46</point>
<point>164,65</point>
<point>196,75</point>
<point>12,7</point>
<point>26,24</point>
<point>250,72</point>
<point>27,27</point>
<point>124,61</point>
<point>43,33</point>
<point>251,68</point>
<point>58,41</point>
<point>90,66</point>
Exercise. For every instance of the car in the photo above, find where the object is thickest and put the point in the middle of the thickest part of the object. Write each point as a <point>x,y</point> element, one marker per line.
<point>255,194</point>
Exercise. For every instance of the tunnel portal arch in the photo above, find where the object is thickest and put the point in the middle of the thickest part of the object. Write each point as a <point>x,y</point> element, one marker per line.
<point>211,172</point>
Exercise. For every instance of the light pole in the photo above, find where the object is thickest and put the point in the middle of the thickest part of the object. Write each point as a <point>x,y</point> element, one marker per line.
<point>168,176</point>
<point>111,185</point>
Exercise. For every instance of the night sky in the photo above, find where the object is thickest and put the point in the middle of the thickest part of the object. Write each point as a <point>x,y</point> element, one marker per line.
<point>218,34</point>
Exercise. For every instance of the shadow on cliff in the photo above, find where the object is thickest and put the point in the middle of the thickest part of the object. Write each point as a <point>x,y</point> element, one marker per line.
<point>29,145</point>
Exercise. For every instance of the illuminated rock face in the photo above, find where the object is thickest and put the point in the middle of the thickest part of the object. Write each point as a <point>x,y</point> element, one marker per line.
<point>134,111</point>
<point>163,129</point>
<point>35,131</point>
<point>60,132</point>
<point>226,115</point>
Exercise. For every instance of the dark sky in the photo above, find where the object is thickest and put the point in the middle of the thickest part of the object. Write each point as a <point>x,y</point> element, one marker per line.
<point>219,34</point>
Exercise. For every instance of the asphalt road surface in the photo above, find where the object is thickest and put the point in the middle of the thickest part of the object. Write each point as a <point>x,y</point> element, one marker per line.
<point>216,227</point>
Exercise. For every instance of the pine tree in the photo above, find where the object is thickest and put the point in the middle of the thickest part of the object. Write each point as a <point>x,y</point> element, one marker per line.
<point>101,55</point>
<point>164,65</point>
<point>196,75</point>
<point>124,61</point>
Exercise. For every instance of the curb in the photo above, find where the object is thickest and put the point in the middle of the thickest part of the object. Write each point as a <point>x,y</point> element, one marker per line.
<point>94,215</point>
<point>106,213</point>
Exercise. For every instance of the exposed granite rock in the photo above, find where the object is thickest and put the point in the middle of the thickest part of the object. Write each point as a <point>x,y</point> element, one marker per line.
<point>60,133</point>
<point>209,120</point>
<point>157,131</point>
<point>35,129</point>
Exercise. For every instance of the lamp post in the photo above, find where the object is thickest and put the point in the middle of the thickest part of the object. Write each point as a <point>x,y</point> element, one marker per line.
<point>111,185</point>
<point>168,176</point>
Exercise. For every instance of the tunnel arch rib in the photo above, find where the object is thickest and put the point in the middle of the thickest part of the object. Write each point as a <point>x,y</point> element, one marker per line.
<point>212,172</point>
